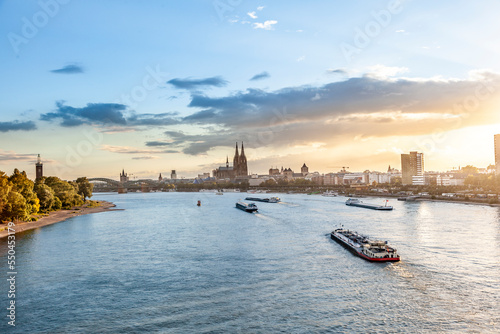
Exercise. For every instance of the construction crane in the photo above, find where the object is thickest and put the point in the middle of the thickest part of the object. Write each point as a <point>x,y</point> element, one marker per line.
<point>343,170</point>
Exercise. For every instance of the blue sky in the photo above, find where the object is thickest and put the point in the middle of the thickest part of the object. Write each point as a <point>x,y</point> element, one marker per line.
<point>96,86</point>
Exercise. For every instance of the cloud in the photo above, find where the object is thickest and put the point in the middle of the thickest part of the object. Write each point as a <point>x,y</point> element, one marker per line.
<point>267,25</point>
<point>190,84</point>
<point>361,107</point>
<point>260,76</point>
<point>108,114</point>
<point>92,113</point>
<point>301,58</point>
<point>161,143</point>
<point>198,143</point>
<point>153,119</point>
<point>252,15</point>
<point>260,7</point>
<point>337,71</point>
<point>381,71</point>
<point>17,126</point>
<point>149,157</point>
<point>69,69</point>
<point>11,156</point>
<point>132,150</point>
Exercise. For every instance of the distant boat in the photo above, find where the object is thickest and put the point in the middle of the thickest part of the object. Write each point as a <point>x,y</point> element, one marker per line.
<point>329,193</point>
<point>358,203</point>
<point>250,207</point>
<point>408,198</point>
<point>266,200</point>
<point>219,193</point>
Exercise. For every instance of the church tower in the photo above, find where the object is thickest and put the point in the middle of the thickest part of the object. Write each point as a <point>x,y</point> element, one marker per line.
<point>39,168</point>
<point>304,170</point>
<point>236,161</point>
<point>243,168</point>
<point>123,176</point>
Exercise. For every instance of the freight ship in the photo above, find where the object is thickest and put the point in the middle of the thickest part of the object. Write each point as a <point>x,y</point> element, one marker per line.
<point>358,203</point>
<point>371,250</point>
<point>266,200</point>
<point>250,207</point>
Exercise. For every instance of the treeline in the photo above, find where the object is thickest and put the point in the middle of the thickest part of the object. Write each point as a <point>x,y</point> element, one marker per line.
<point>21,198</point>
<point>243,186</point>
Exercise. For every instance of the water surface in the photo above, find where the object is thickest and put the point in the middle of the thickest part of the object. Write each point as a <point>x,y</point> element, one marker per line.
<point>165,265</point>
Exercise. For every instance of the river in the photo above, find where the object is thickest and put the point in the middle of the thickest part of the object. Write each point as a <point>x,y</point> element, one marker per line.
<point>165,265</point>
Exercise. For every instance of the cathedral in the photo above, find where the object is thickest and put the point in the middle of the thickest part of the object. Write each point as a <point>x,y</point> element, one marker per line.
<point>239,167</point>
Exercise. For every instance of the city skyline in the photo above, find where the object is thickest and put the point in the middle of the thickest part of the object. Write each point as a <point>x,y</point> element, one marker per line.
<point>95,88</point>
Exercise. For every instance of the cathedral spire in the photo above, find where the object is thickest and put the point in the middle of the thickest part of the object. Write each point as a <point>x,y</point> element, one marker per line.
<point>236,160</point>
<point>242,150</point>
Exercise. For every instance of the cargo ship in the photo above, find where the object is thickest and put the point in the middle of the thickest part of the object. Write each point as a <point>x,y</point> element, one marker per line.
<point>250,207</point>
<point>371,250</point>
<point>266,200</point>
<point>358,203</point>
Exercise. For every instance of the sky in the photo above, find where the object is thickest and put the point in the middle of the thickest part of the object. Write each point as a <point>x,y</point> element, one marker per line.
<point>95,87</point>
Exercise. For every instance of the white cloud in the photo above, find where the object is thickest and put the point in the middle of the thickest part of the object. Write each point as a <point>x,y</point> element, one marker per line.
<point>268,25</point>
<point>252,15</point>
<point>260,7</point>
<point>316,97</point>
<point>301,58</point>
<point>401,30</point>
<point>382,71</point>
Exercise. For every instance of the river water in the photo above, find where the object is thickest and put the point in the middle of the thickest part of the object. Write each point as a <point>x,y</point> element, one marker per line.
<point>164,265</point>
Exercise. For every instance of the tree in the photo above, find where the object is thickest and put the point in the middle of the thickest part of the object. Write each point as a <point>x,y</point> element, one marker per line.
<point>84,187</point>
<point>268,183</point>
<point>45,195</point>
<point>469,169</point>
<point>5,187</point>
<point>16,208</point>
<point>66,192</point>
<point>24,186</point>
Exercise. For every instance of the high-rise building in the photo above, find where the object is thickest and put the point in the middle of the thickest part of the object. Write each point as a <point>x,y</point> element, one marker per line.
<point>173,175</point>
<point>497,154</point>
<point>412,165</point>
<point>39,168</point>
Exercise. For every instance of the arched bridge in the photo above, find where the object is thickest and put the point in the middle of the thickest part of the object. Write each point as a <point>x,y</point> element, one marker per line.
<point>125,184</point>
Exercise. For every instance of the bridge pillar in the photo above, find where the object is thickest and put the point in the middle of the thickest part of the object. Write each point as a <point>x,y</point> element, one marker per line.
<point>122,190</point>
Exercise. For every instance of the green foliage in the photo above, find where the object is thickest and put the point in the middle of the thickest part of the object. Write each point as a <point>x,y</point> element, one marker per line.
<point>84,187</point>
<point>24,186</point>
<point>5,187</point>
<point>66,192</point>
<point>46,196</point>
<point>21,198</point>
<point>15,208</point>
<point>57,204</point>
<point>469,169</point>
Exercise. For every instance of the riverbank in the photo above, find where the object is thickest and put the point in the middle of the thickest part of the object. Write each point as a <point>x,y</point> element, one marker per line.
<point>59,216</point>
